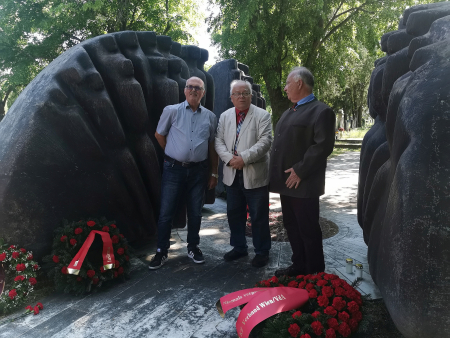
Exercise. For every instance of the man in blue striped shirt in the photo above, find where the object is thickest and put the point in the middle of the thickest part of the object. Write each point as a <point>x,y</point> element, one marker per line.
<point>186,131</point>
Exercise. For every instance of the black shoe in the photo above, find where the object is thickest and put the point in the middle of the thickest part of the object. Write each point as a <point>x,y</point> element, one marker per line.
<point>196,255</point>
<point>233,255</point>
<point>158,260</point>
<point>260,260</point>
<point>290,271</point>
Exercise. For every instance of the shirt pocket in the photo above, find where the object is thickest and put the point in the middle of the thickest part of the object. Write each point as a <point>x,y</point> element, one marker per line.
<point>203,132</point>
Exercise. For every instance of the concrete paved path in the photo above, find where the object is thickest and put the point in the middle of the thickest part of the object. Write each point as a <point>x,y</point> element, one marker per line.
<point>178,300</point>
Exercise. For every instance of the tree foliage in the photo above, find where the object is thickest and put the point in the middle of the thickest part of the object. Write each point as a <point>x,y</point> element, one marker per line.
<point>323,35</point>
<point>34,32</point>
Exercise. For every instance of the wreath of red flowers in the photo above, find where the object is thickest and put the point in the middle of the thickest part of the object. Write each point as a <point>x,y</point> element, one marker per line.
<point>67,242</point>
<point>333,310</point>
<point>20,270</point>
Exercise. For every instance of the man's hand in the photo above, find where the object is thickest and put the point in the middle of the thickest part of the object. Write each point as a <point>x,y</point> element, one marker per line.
<point>237,162</point>
<point>212,182</point>
<point>293,180</point>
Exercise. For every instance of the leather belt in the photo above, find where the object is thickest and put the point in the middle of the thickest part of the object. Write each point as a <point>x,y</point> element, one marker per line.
<point>183,164</point>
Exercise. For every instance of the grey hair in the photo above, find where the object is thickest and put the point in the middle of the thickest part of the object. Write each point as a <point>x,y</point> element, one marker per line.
<point>240,82</point>
<point>304,74</point>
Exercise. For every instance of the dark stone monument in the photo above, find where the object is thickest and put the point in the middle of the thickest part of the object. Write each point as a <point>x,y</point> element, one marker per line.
<point>79,140</point>
<point>403,192</point>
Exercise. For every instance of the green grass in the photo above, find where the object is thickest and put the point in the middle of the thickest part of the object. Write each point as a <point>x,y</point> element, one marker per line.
<point>355,133</point>
<point>339,151</point>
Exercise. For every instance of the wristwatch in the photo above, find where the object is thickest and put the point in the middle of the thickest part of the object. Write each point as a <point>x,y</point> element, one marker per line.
<point>215,175</point>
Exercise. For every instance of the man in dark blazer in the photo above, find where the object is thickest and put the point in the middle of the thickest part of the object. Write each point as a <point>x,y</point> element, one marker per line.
<point>303,139</point>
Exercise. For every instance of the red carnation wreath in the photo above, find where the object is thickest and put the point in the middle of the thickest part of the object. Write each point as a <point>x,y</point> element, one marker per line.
<point>333,310</point>
<point>66,244</point>
<point>19,276</point>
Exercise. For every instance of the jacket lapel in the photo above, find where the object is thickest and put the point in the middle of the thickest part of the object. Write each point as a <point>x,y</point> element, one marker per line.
<point>246,122</point>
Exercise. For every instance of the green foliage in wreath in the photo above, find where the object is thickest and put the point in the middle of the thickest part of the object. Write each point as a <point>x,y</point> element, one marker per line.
<point>67,242</point>
<point>334,310</point>
<point>20,272</point>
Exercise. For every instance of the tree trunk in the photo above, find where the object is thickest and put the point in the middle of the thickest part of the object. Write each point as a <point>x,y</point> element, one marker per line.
<point>278,102</point>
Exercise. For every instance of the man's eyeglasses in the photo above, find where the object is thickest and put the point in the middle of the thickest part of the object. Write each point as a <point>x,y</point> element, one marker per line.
<point>197,88</point>
<point>245,94</point>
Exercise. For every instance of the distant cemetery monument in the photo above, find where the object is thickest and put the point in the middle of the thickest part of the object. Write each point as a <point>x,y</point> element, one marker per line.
<point>404,181</point>
<point>79,140</point>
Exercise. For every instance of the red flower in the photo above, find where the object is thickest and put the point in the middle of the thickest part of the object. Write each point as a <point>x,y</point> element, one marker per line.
<point>12,293</point>
<point>330,333</point>
<point>305,336</point>
<point>19,278</point>
<point>23,250</point>
<point>116,264</point>
<point>343,316</point>
<point>339,291</point>
<point>315,314</point>
<point>12,247</point>
<point>115,239</point>
<point>352,307</point>
<point>63,238</point>
<point>127,258</point>
<point>327,291</point>
<point>35,266</point>
<point>40,306</point>
<point>102,269</point>
<point>95,281</point>
<point>266,283</point>
<point>353,324</point>
<point>29,257</point>
<point>120,251</point>
<point>2,257</point>
<point>73,241</point>
<point>36,310</point>
<point>64,270</point>
<point>344,329</point>
<point>309,286</point>
<point>333,323</point>
<point>296,314</point>
<point>357,316</point>
<point>20,267</point>
<point>29,308</point>
<point>15,254</point>
<point>301,285</point>
<point>317,327</point>
<point>120,270</point>
<point>323,301</point>
<point>55,259</point>
<point>90,223</point>
<point>79,279</point>
<point>321,282</point>
<point>292,284</point>
<point>312,294</point>
<point>113,226</point>
<point>78,231</point>
<point>294,330</point>
<point>32,281</point>
<point>105,228</point>
<point>300,277</point>
<point>331,311</point>
<point>274,279</point>
<point>90,273</point>
<point>339,303</point>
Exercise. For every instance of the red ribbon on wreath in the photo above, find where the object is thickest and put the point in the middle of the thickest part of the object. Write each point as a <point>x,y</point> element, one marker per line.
<point>107,254</point>
<point>261,304</point>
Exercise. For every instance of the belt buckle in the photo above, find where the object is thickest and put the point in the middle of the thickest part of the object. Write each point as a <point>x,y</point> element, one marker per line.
<point>185,164</point>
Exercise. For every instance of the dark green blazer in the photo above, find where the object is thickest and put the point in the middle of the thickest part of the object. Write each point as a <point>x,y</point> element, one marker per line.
<point>304,137</point>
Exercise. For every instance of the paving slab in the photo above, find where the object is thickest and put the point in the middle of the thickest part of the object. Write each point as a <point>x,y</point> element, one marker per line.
<point>178,300</point>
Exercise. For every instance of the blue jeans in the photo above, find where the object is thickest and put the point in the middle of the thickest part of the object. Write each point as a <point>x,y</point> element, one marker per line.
<point>258,203</point>
<point>178,181</point>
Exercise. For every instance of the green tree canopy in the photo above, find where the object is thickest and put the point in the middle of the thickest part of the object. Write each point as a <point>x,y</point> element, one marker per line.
<point>272,36</point>
<point>34,32</point>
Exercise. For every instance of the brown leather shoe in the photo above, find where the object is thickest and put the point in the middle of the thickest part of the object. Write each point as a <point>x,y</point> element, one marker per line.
<point>290,271</point>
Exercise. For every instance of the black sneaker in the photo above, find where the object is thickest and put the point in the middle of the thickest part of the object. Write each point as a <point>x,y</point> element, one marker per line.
<point>260,260</point>
<point>233,255</point>
<point>158,260</point>
<point>196,255</point>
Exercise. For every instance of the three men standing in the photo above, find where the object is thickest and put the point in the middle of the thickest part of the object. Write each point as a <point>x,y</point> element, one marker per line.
<point>243,141</point>
<point>186,132</point>
<point>303,139</point>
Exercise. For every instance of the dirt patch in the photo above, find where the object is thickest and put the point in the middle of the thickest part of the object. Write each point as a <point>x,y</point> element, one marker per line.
<point>278,232</point>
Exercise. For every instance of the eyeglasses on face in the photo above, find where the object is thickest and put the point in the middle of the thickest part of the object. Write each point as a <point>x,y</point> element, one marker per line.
<point>197,88</point>
<point>244,94</point>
